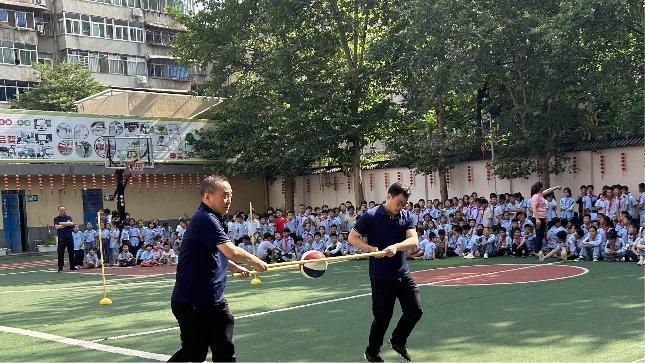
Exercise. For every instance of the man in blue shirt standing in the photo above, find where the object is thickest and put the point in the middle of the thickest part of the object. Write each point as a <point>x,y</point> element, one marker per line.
<point>64,226</point>
<point>198,300</point>
<point>389,228</point>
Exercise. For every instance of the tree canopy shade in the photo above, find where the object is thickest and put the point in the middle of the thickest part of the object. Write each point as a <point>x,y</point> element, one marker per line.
<point>299,82</point>
<point>61,85</point>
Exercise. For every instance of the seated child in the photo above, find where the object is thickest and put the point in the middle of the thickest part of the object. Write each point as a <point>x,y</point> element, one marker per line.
<point>168,256</point>
<point>125,258</point>
<point>613,250</point>
<point>148,257</point>
<point>91,260</point>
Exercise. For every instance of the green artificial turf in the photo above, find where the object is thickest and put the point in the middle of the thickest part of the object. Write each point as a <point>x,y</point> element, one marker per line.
<point>595,317</point>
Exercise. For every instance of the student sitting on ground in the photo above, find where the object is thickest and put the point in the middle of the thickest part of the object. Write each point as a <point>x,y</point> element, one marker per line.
<point>334,248</point>
<point>168,256</point>
<point>148,257</point>
<point>430,247</point>
<point>266,250</point>
<point>125,258</point>
<point>614,249</point>
<point>91,260</point>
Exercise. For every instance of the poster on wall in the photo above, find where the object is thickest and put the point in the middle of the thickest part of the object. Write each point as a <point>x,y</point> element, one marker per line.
<point>79,138</point>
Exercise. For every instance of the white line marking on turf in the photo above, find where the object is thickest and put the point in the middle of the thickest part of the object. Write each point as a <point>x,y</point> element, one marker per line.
<point>584,271</point>
<point>90,286</point>
<point>85,344</point>
<point>315,303</point>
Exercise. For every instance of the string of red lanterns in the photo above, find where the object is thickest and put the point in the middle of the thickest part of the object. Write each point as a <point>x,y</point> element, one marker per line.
<point>63,182</point>
<point>51,183</point>
<point>40,183</point>
<point>154,182</point>
<point>283,187</point>
<point>602,166</point>
<point>399,177</point>
<point>349,183</point>
<point>84,181</point>
<point>448,177</point>
<point>308,185</point>
<point>174,182</point>
<point>6,182</point>
<point>411,177</point>
<point>74,184</point>
<point>103,180</point>
<point>29,189</point>
<point>431,176</point>
<point>18,182</point>
<point>190,181</point>
<point>113,177</point>
<point>335,182</point>
<point>93,181</point>
<point>623,162</point>
<point>371,178</point>
<point>469,174</point>
<point>181,181</point>
<point>386,178</point>
<point>574,166</point>
<point>489,173</point>
<point>165,181</point>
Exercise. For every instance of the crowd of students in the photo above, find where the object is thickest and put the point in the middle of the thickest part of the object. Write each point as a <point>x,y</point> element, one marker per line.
<point>594,227</point>
<point>127,244</point>
<point>608,226</point>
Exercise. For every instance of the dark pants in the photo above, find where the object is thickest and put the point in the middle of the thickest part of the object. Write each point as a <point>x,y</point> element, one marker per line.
<point>64,243</point>
<point>201,328</point>
<point>520,250</point>
<point>78,257</point>
<point>384,295</point>
<point>631,256</point>
<point>539,235</point>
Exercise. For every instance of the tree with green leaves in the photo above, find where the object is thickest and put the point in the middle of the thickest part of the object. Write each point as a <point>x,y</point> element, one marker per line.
<point>61,85</point>
<point>430,52</point>
<point>301,89</point>
<point>563,71</point>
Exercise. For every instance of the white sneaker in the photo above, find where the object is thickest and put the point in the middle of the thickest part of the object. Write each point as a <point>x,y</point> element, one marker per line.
<point>638,263</point>
<point>595,259</point>
<point>486,255</point>
<point>470,256</point>
<point>541,256</point>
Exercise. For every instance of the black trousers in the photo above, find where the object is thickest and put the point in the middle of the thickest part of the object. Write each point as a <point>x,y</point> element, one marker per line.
<point>202,328</point>
<point>62,244</point>
<point>518,251</point>
<point>384,295</point>
<point>539,235</point>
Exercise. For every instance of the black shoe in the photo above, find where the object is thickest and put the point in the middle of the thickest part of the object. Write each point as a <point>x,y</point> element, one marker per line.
<point>372,358</point>
<point>73,269</point>
<point>400,350</point>
<point>60,270</point>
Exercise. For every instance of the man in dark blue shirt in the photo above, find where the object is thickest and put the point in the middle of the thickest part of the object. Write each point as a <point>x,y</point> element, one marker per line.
<point>205,255</point>
<point>64,226</point>
<point>389,228</point>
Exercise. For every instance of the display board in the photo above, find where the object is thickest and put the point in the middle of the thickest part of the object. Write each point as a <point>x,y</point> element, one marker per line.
<point>74,137</point>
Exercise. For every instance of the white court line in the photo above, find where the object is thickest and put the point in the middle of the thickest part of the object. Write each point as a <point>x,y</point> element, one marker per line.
<point>322,302</point>
<point>85,344</point>
<point>25,272</point>
<point>81,290</point>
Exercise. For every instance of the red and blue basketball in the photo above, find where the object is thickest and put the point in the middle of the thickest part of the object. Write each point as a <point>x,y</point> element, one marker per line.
<point>312,270</point>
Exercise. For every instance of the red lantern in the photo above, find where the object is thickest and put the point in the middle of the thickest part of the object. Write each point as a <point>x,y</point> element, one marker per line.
<point>469,173</point>
<point>399,177</point>
<point>335,182</point>
<point>349,183</point>
<point>431,175</point>
<point>63,182</point>
<point>574,166</point>
<point>371,181</point>
<point>386,178</point>
<point>6,182</point>
<point>181,181</point>
<point>74,182</point>
<point>51,183</point>
<point>29,183</point>
<point>623,162</point>
<point>165,181</point>
<point>93,181</point>
<point>602,166</point>
<point>308,185</point>
<point>411,177</point>
<point>113,177</point>
<point>84,181</point>
<point>103,180</point>
<point>18,182</point>
<point>40,183</point>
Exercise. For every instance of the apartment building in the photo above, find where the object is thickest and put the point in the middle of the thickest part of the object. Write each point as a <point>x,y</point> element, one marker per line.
<point>124,43</point>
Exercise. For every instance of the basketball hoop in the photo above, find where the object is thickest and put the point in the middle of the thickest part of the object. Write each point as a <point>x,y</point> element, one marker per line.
<point>136,168</point>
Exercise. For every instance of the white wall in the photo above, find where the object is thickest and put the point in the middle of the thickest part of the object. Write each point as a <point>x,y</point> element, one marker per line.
<point>588,163</point>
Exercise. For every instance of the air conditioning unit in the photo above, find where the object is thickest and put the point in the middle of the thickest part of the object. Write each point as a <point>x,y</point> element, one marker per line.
<point>40,28</point>
<point>137,13</point>
<point>142,80</point>
<point>41,2</point>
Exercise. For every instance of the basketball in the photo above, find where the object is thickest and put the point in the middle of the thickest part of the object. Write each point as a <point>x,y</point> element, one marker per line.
<point>315,269</point>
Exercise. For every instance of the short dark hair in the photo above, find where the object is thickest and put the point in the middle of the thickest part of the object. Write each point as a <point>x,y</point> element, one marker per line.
<point>397,189</point>
<point>561,235</point>
<point>209,184</point>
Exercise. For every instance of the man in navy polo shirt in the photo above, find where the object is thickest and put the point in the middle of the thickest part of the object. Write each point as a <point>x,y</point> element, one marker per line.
<point>389,228</point>
<point>198,300</point>
<point>64,226</point>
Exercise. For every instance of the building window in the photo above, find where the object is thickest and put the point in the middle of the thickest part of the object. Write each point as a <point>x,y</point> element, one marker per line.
<point>21,19</point>
<point>4,16</point>
<point>45,58</point>
<point>168,69</point>
<point>17,53</point>
<point>158,36</point>
<point>10,90</point>
<point>108,63</point>
<point>100,27</point>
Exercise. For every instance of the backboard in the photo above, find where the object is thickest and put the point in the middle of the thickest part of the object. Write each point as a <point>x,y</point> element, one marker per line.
<point>122,151</point>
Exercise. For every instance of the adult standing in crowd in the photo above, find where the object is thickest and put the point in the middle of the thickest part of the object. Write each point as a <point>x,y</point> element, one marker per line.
<point>64,226</point>
<point>538,205</point>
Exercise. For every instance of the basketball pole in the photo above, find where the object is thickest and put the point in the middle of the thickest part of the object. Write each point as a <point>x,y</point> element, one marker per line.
<point>105,300</point>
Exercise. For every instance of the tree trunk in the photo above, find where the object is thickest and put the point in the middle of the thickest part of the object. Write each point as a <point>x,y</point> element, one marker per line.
<point>357,176</point>
<point>443,185</point>
<point>543,167</point>
<point>441,131</point>
<point>289,193</point>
